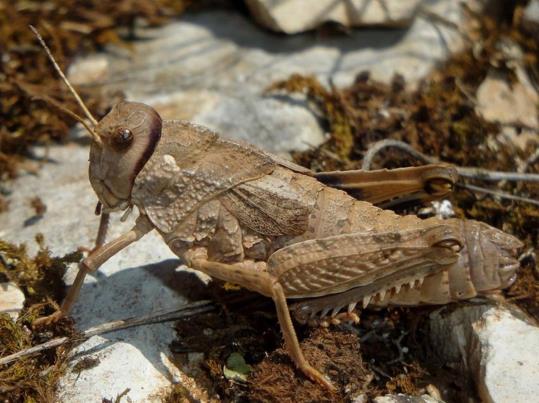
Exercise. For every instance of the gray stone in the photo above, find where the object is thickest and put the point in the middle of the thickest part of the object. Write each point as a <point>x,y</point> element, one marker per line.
<point>497,346</point>
<point>402,398</point>
<point>11,299</point>
<point>293,16</point>
<point>361,398</point>
<point>213,68</point>
<point>530,19</point>
<point>510,104</point>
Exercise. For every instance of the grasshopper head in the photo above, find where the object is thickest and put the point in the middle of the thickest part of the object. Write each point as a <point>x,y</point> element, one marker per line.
<point>127,137</point>
<point>122,142</point>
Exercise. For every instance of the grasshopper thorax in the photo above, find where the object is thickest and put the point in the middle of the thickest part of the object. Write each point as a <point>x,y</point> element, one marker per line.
<point>128,136</point>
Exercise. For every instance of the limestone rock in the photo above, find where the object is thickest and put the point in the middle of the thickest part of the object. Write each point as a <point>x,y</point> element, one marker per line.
<point>511,104</point>
<point>213,68</point>
<point>497,346</point>
<point>293,16</point>
<point>11,299</point>
<point>401,398</point>
<point>530,19</point>
<point>503,102</point>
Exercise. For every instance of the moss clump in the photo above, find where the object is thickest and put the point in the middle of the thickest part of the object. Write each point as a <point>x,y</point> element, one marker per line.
<point>34,378</point>
<point>40,277</point>
<point>332,104</point>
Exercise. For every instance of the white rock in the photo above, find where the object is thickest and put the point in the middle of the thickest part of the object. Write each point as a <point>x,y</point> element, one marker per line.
<point>361,398</point>
<point>510,103</point>
<point>89,70</point>
<point>402,398</point>
<point>293,16</point>
<point>11,299</point>
<point>530,19</point>
<point>498,347</point>
<point>504,102</point>
<point>213,67</point>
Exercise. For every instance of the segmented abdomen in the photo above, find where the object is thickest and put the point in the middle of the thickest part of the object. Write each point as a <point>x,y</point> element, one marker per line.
<point>486,262</point>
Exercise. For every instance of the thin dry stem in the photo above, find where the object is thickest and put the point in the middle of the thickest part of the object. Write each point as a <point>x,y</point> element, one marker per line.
<point>188,310</point>
<point>468,172</point>
<point>498,193</point>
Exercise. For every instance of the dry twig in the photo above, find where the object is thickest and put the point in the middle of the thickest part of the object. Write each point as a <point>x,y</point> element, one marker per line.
<point>193,309</point>
<point>498,193</point>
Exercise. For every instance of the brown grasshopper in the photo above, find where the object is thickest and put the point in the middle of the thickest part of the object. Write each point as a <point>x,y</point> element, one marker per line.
<point>247,217</point>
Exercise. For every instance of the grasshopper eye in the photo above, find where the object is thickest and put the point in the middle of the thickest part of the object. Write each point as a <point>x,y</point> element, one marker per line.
<point>123,138</point>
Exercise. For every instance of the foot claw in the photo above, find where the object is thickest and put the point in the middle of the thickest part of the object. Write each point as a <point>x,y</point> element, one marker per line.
<point>47,320</point>
<point>348,317</point>
<point>317,377</point>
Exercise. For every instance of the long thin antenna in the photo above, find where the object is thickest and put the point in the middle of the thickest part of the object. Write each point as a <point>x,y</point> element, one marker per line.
<point>58,105</point>
<point>66,81</point>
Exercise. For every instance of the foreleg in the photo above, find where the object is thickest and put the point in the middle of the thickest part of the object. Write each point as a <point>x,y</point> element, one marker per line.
<point>91,263</point>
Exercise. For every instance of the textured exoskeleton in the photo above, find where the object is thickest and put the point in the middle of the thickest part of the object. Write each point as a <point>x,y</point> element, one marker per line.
<point>250,218</point>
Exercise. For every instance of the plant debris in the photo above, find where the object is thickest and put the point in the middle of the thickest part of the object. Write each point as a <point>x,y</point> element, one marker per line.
<point>39,207</point>
<point>118,398</point>
<point>383,354</point>
<point>236,369</point>
<point>40,278</point>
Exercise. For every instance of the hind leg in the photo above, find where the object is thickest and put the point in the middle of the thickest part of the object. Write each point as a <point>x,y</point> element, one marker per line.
<point>248,276</point>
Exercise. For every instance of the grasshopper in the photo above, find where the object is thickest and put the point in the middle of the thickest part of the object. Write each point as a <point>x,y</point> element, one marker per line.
<point>247,217</point>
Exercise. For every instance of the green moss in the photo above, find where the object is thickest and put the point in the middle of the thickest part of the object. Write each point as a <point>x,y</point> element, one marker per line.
<point>34,378</point>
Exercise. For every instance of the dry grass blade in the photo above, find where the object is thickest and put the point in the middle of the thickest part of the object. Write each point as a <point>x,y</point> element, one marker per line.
<point>497,193</point>
<point>193,309</point>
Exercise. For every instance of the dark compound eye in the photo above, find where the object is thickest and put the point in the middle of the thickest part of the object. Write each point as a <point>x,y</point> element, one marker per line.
<point>123,138</point>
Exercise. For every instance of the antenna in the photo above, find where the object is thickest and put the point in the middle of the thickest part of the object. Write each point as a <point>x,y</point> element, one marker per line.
<point>70,87</point>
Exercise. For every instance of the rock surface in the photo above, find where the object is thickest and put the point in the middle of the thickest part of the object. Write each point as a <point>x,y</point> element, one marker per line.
<point>401,398</point>
<point>513,105</point>
<point>530,19</point>
<point>497,346</point>
<point>211,68</point>
<point>293,16</point>
<point>11,299</point>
